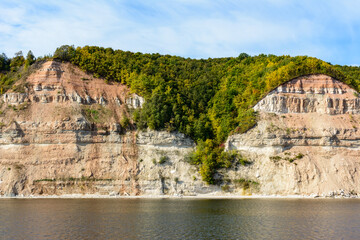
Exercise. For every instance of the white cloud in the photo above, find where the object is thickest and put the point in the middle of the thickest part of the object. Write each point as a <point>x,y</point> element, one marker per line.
<point>198,28</point>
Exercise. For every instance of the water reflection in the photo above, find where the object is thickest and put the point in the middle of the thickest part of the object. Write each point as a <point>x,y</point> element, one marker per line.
<point>179,219</point>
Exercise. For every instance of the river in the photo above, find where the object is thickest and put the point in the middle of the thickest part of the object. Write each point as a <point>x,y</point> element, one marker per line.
<point>179,219</point>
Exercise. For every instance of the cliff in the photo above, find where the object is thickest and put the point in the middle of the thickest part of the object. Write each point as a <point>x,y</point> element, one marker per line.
<point>65,133</point>
<point>306,140</point>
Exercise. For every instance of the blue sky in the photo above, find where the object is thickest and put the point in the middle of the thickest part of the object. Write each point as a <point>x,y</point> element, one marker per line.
<point>326,29</point>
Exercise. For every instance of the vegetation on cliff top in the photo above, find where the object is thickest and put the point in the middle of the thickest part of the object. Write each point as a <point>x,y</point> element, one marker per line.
<point>205,99</point>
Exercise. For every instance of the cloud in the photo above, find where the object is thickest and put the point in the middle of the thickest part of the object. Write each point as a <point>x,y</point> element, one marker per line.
<point>197,28</point>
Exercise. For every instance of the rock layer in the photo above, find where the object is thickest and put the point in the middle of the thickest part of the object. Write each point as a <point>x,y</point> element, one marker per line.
<point>66,134</point>
<point>63,135</point>
<point>309,94</point>
<point>306,140</point>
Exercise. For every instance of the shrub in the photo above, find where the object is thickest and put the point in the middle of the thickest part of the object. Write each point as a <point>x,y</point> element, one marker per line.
<point>244,183</point>
<point>125,121</point>
<point>244,162</point>
<point>275,158</point>
<point>225,188</point>
<point>163,159</point>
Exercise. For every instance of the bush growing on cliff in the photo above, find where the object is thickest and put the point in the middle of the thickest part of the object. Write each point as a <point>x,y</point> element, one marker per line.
<point>163,159</point>
<point>125,121</point>
<point>244,183</point>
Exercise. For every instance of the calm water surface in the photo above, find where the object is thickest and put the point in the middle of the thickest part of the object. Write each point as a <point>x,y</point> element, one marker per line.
<point>179,219</point>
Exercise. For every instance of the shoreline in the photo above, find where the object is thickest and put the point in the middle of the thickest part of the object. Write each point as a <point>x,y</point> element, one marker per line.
<point>201,196</point>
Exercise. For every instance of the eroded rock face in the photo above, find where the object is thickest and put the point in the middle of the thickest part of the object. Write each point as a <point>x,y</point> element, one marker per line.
<point>309,94</point>
<point>64,83</point>
<point>306,141</point>
<point>63,135</point>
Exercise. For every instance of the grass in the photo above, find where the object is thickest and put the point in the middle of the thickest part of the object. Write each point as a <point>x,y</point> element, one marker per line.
<point>96,113</point>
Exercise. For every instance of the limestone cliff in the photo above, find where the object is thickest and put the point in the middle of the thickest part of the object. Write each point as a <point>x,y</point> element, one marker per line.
<point>63,135</point>
<point>306,140</point>
<point>66,132</point>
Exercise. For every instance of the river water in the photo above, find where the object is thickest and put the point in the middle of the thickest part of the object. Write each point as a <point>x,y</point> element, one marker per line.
<point>179,219</point>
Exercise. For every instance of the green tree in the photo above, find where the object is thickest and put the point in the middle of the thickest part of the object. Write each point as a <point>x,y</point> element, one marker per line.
<point>4,62</point>
<point>30,59</point>
<point>17,61</point>
<point>65,53</point>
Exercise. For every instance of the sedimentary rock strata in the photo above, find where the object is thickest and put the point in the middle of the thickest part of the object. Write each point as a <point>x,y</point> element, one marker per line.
<point>309,94</point>
<point>63,135</point>
<point>307,139</point>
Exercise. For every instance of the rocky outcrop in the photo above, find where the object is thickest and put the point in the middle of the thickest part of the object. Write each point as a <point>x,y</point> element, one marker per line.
<point>63,83</point>
<point>63,135</point>
<point>69,133</point>
<point>302,144</point>
<point>309,94</point>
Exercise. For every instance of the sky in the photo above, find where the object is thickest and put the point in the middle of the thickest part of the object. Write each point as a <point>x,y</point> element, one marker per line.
<point>326,29</point>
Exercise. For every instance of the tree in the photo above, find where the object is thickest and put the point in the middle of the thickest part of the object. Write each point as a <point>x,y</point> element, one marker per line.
<point>30,59</point>
<point>17,61</point>
<point>65,52</point>
<point>4,62</point>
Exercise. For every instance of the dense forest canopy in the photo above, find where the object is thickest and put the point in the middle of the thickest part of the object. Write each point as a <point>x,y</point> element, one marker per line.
<point>207,99</point>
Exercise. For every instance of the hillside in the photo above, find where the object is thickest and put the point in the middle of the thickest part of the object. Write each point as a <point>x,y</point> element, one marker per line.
<point>68,132</point>
<point>132,110</point>
<point>306,140</point>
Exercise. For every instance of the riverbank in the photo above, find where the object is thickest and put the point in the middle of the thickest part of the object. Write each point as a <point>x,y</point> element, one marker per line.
<point>200,196</point>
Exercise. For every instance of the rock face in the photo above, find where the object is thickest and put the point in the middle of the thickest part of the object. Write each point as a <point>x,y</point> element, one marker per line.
<point>309,94</point>
<point>69,133</point>
<point>63,135</point>
<point>58,82</point>
<point>306,140</point>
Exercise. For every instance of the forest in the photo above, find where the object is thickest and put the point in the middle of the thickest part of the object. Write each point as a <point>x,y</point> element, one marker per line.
<point>206,99</point>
